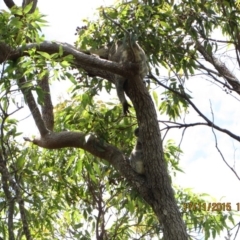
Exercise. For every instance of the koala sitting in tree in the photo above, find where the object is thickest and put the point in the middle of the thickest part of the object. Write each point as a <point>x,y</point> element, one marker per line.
<point>136,157</point>
<point>123,52</point>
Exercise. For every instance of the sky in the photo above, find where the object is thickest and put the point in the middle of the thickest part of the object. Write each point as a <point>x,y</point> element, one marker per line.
<point>204,168</point>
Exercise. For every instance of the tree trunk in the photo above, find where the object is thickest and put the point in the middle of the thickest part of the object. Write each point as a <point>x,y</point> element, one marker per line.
<point>158,180</point>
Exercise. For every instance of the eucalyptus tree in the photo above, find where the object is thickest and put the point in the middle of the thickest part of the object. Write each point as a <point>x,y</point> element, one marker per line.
<point>86,186</point>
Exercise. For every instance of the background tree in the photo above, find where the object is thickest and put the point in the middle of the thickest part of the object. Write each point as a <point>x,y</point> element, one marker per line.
<point>90,187</point>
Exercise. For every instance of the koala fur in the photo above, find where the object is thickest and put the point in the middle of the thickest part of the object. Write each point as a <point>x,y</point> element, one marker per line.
<point>136,157</point>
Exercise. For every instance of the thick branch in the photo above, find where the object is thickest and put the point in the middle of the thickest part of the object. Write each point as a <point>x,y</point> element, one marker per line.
<point>220,67</point>
<point>100,73</point>
<point>90,63</point>
<point>81,60</point>
<point>99,149</point>
<point>33,107</point>
<point>47,106</point>
<point>9,3</point>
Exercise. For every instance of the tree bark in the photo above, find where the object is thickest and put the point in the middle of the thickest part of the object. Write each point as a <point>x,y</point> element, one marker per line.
<point>157,178</point>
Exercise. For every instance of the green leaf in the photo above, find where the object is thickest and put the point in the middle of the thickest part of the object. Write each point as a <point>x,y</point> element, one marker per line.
<point>44,54</point>
<point>65,64</point>
<point>155,97</point>
<point>20,162</point>
<point>27,8</point>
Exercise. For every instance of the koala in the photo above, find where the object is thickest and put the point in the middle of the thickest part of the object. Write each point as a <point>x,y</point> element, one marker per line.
<point>121,52</point>
<point>136,157</point>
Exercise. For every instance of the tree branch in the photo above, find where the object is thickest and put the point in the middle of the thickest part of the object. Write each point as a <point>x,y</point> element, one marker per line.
<point>220,67</point>
<point>9,3</point>
<point>99,149</point>
<point>212,73</point>
<point>23,215</point>
<point>10,199</point>
<point>5,51</point>
<point>90,63</point>
<point>47,106</point>
<point>33,107</point>
<point>81,60</point>
<point>216,145</point>
<point>10,187</point>
<point>209,122</point>
<point>181,125</point>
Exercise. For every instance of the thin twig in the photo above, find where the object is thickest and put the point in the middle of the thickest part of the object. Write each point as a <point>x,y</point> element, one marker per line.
<point>209,122</point>
<point>216,145</point>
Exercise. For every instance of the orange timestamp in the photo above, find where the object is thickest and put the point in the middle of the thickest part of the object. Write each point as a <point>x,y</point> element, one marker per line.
<point>202,206</point>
